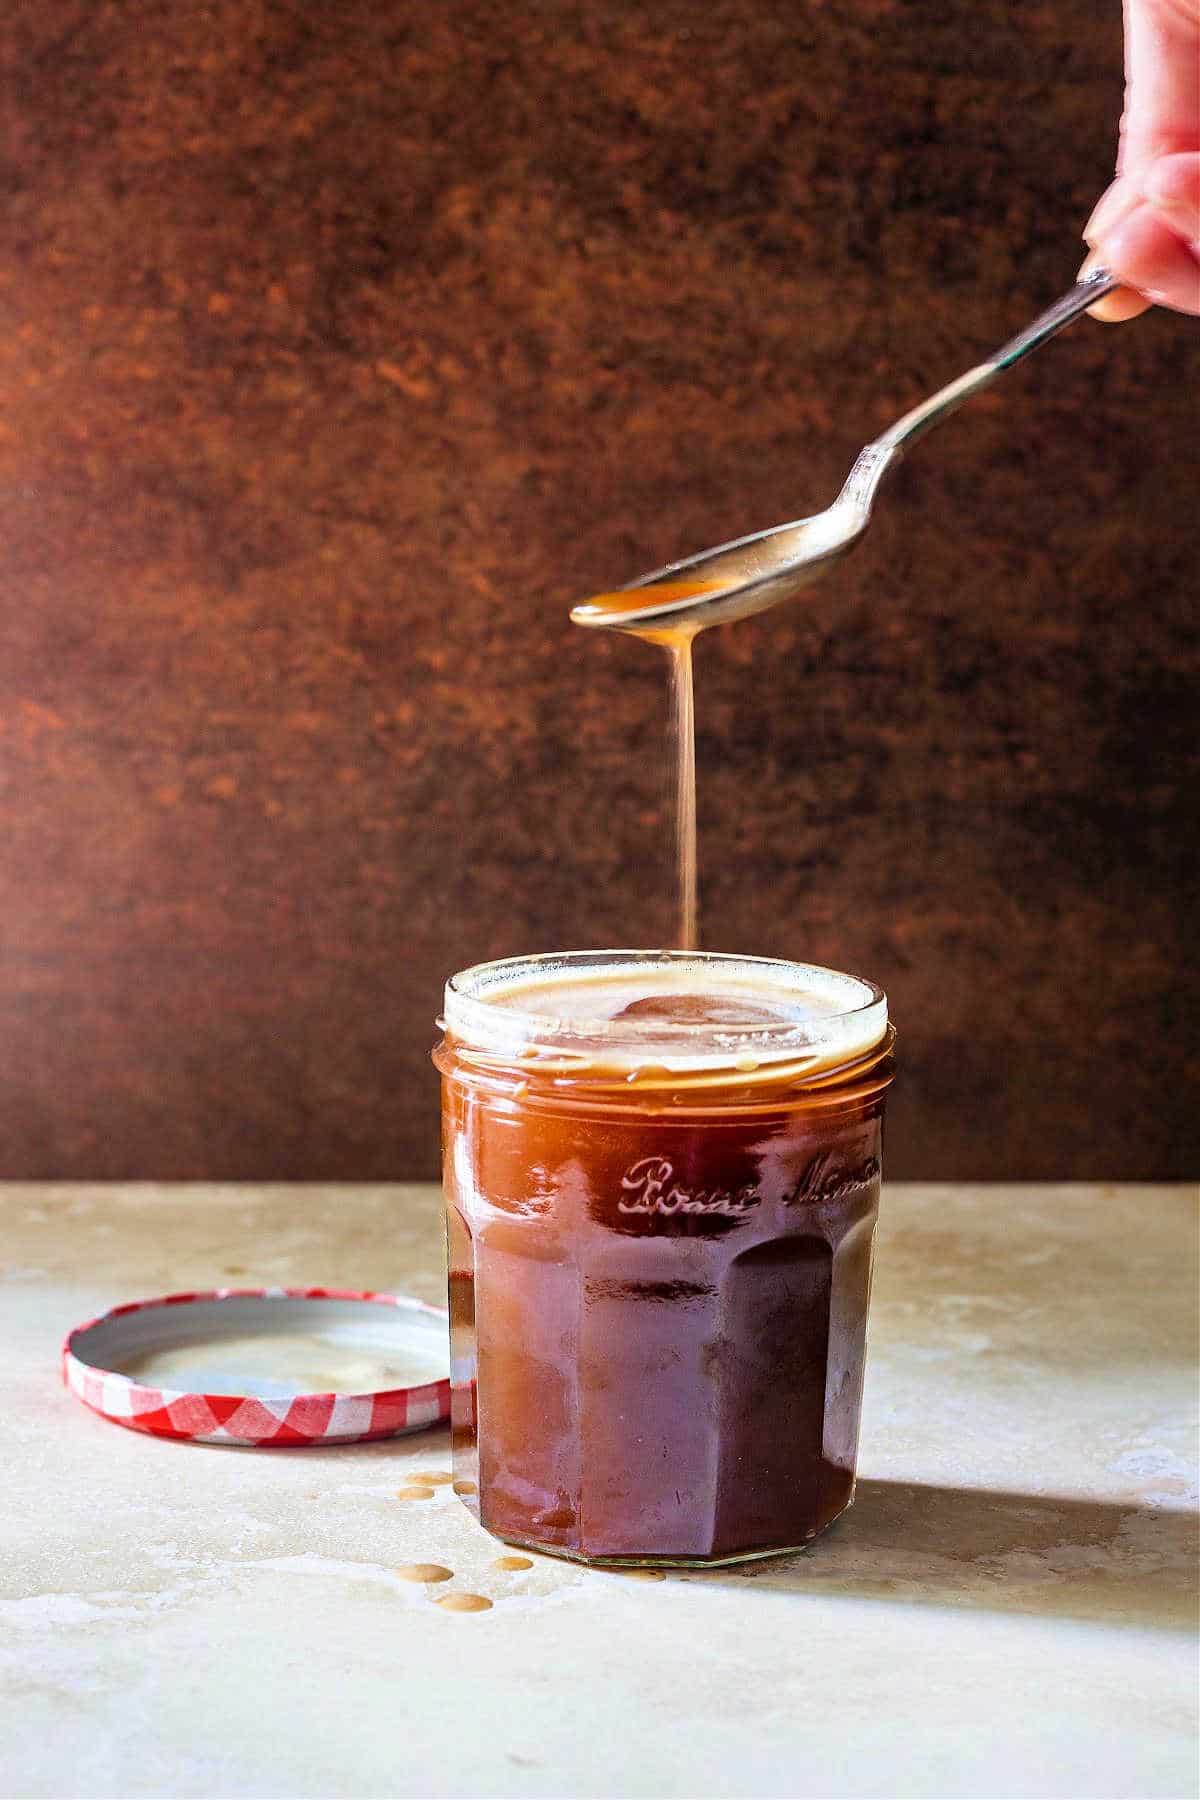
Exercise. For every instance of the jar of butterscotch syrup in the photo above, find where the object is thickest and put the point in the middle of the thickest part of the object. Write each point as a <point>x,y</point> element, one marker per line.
<point>662,1177</point>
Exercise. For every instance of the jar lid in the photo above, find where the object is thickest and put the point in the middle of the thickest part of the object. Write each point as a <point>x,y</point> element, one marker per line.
<point>678,1010</point>
<point>265,1367</point>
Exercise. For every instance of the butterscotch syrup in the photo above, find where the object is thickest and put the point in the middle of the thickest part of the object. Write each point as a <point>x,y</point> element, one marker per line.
<point>425,1573</point>
<point>676,640</point>
<point>662,1173</point>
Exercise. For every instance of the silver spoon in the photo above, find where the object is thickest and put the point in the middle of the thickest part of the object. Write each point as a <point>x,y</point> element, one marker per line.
<point>752,573</point>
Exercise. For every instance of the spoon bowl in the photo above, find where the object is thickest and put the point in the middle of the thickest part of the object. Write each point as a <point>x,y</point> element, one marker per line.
<point>730,581</point>
<point>751,574</point>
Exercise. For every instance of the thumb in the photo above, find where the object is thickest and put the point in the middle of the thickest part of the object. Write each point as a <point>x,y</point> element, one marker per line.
<point>1147,231</point>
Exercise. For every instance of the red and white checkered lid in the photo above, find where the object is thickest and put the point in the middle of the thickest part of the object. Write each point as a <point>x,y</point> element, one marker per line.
<point>248,1357</point>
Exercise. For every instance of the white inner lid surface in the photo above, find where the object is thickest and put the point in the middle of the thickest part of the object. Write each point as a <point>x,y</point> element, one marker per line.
<point>270,1347</point>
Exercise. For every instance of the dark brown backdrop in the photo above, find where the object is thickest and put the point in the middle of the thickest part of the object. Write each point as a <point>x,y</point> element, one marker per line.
<point>345,344</point>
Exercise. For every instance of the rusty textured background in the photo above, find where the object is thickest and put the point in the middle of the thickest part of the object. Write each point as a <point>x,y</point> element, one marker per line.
<point>343,345</point>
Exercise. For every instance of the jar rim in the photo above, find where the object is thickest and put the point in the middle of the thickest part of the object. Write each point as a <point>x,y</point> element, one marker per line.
<point>836,1017</point>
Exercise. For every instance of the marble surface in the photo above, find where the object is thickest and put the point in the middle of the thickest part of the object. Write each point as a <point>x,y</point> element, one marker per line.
<point>1005,1611</point>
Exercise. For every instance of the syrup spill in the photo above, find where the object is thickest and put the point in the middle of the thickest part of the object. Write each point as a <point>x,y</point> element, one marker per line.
<point>463,1603</point>
<point>513,1562</point>
<point>465,1487</point>
<point>430,1478</point>
<point>414,1493</point>
<point>425,1572</point>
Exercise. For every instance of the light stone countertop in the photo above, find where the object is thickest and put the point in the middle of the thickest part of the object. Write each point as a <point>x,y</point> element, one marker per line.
<point>1005,1612</point>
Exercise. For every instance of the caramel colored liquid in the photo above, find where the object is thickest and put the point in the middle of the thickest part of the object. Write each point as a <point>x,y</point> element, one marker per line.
<point>683,717</point>
<point>614,608</point>
<point>657,1314</point>
<point>677,641</point>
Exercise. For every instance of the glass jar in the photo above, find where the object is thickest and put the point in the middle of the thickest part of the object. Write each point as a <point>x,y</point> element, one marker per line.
<point>662,1176</point>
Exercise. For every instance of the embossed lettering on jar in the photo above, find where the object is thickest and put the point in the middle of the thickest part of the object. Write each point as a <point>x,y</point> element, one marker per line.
<point>662,1178</point>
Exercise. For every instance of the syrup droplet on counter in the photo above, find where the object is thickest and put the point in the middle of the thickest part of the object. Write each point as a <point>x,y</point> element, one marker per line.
<point>414,1493</point>
<point>425,1572</point>
<point>463,1603</point>
<point>430,1478</point>
<point>465,1487</point>
<point>513,1562</point>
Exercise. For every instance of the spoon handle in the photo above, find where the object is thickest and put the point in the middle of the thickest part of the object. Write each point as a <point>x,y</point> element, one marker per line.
<point>867,472</point>
<point>1085,293</point>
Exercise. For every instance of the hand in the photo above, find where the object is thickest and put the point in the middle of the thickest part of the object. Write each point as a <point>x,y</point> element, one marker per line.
<point>1146,227</point>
